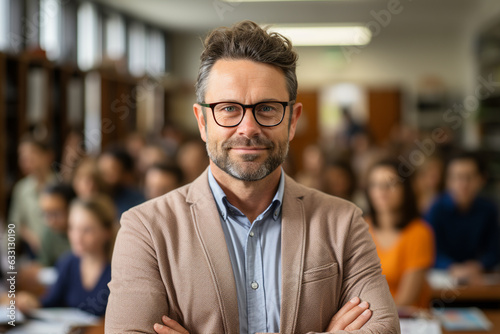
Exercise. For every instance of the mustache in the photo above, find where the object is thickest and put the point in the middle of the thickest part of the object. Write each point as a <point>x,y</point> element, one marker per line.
<point>247,142</point>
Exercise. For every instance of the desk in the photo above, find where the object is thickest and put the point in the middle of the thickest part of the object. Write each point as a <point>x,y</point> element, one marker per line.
<point>483,289</point>
<point>99,329</point>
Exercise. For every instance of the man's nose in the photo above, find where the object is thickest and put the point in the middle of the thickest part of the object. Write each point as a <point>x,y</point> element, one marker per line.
<point>249,126</point>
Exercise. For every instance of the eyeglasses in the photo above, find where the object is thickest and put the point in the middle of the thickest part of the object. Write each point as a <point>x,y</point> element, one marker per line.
<point>230,114</point>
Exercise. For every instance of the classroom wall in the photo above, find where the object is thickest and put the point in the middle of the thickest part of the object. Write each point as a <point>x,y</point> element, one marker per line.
<point>393,58</point>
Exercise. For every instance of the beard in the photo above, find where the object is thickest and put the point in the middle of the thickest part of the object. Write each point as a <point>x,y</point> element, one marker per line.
<point>249,169</point>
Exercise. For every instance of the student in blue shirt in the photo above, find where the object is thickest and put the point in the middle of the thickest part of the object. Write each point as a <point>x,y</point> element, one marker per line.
<point>116,167</point>
<point>465,224</point>
<point>84,274</point>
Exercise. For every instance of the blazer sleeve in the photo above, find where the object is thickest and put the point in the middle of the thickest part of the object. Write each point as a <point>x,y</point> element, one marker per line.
<point>362,277</point>
<point>137,294</point>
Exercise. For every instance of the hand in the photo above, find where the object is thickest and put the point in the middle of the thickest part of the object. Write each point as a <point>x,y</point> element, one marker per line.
<point>26,302</point>
<point>352,316</point>
<point>466,271</point>
<point>170,327</point>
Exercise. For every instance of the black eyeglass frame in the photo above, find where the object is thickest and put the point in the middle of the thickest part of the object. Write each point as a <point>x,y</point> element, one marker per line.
<point>245,107</point>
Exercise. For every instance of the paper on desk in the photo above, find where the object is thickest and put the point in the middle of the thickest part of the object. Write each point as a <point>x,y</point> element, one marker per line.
<point>420,326</point>
<point>55,321</point>
<point>40,327</point>
<point>4,316</point>
<point>441,279</point>
<point>66,315</point>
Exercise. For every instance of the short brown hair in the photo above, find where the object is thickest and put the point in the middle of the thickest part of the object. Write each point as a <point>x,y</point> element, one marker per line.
<point>247,40</point>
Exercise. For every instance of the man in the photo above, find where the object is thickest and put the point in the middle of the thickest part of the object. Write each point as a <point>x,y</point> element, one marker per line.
<point>245,249</point>
<point>465,224</point>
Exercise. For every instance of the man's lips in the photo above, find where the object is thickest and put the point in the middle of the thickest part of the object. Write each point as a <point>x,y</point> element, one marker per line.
<point>248,149</point>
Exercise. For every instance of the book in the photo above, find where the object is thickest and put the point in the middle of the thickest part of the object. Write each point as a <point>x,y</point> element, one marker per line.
<point>463,319</point>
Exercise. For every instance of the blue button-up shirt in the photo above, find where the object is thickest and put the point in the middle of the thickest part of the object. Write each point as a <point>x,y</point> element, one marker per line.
<point>255,253</point>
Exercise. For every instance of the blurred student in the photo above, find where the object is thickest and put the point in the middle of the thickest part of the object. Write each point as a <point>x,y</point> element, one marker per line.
<point>428,182</point>
<point>87,181</point>
<point>116,167</point>
<point>193,159</point>
<point>134,144</point>
<point>161,179</point>
<point>404,242</point>
<point>151,154</point>
<point>312,173</point>
<point>84,274</point>
<point>72,152</point>
<point>54,201</point>
<point>465,224</point>
<point>340,180</point>
<point>35,160</point>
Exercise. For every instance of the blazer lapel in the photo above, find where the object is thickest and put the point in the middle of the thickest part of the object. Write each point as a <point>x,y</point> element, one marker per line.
<point>292,255</point>
<point>207,221</point>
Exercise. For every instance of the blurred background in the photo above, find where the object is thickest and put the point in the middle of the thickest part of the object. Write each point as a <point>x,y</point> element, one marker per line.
<point>99,94</point>
<point>109,69</point>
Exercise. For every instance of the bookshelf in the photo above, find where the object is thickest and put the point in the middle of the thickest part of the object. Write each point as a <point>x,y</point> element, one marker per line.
<point>49,100</point>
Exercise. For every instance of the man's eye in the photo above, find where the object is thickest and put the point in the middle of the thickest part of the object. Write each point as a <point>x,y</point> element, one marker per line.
<point>266,108</point>
<point>229,108</point>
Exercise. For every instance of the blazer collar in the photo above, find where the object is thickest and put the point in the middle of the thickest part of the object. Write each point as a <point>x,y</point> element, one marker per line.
<point>293,227</point>
<point>208,227</point>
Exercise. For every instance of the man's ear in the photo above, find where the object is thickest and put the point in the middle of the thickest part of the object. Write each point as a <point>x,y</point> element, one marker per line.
<point>297,111</point>
<point>200,118</point>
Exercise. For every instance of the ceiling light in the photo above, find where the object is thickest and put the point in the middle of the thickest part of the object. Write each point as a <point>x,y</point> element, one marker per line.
<point>324,35</point>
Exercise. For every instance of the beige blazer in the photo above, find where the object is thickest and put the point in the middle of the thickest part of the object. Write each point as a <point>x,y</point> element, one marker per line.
<point>171,258</point>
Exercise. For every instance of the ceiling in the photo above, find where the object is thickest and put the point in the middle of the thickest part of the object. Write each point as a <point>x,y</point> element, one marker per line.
<point>202,15</point>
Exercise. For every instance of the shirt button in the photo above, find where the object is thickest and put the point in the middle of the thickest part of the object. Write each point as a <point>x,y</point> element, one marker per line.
<point>252,234</point>
<point>254,285</point>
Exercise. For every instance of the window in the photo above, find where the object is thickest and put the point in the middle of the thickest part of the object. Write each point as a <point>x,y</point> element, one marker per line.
<point>50,28</point>
<point>137,49</point>
<point>115,36</point>
<point>4,24</point>
<point>155,53</point>
<point>88,47</point>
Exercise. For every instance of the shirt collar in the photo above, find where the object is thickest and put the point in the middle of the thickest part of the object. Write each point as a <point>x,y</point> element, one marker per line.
<point>222,202</point>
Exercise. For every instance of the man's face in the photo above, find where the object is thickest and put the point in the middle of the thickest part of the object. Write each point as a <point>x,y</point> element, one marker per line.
<point>248,151</point>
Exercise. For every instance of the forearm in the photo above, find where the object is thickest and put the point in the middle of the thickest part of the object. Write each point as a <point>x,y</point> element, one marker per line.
<point>410,287</point>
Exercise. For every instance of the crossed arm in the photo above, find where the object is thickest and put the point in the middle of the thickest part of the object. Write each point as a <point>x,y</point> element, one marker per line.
<point>352,316</point>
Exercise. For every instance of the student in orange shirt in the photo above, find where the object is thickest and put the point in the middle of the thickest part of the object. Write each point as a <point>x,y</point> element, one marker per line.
<point>405,243</point>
